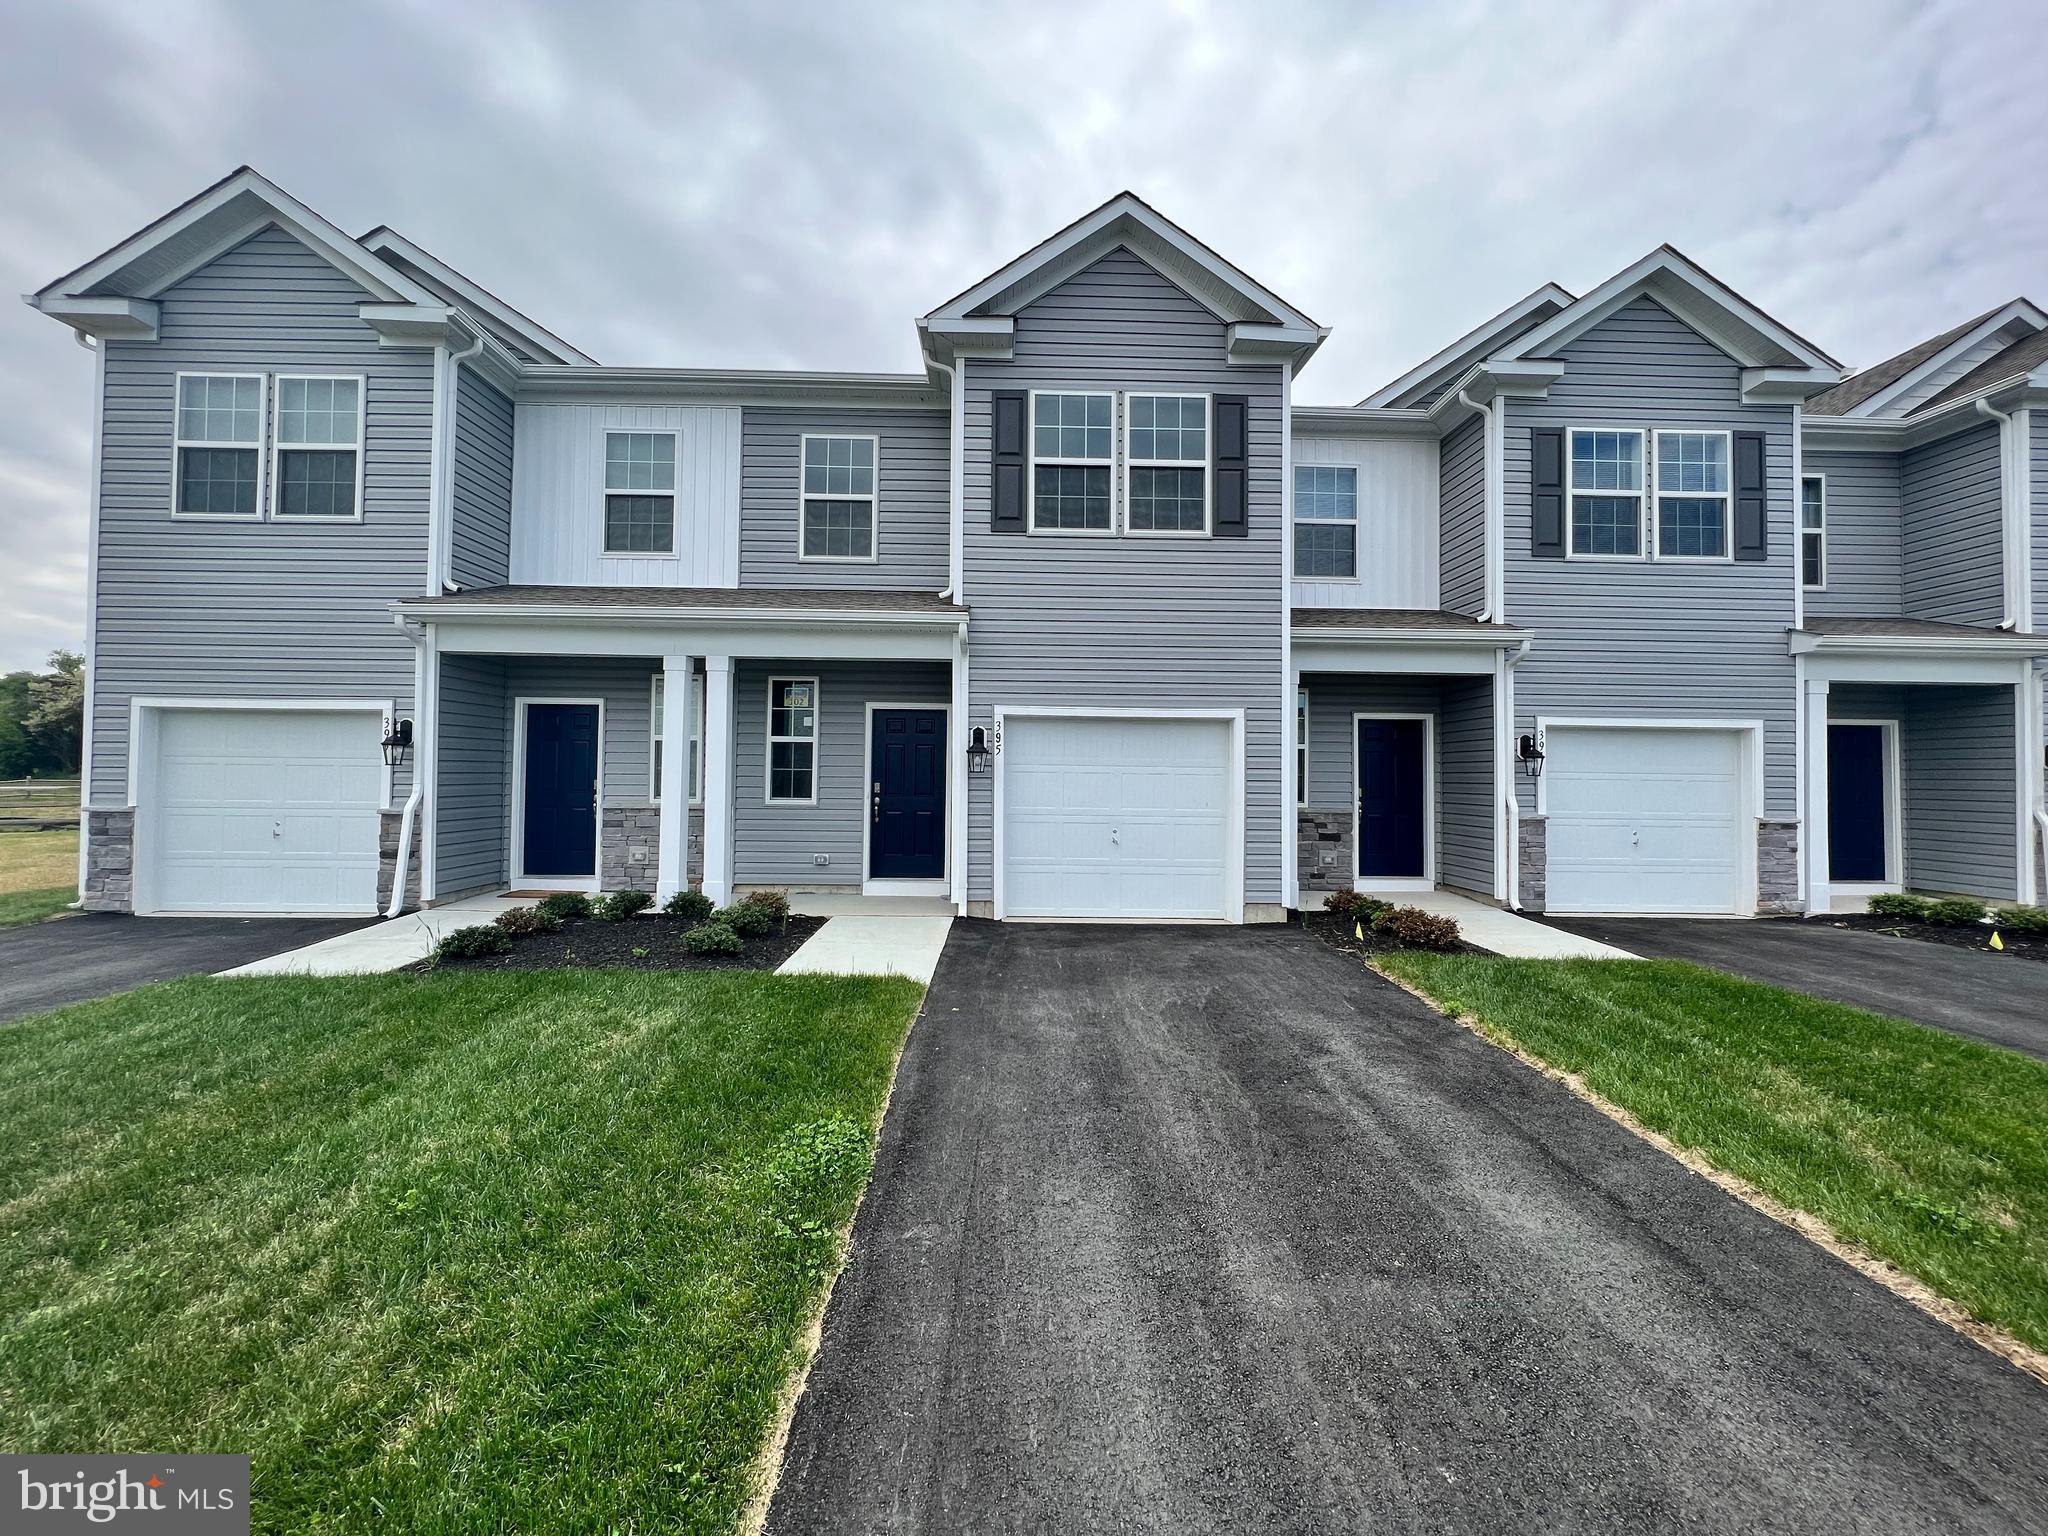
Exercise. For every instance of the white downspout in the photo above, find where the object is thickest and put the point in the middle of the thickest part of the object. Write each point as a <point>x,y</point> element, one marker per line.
<point>441,522</point>
<point>1493,603</point>
<point>2012,522</point>
<point>417,634</point>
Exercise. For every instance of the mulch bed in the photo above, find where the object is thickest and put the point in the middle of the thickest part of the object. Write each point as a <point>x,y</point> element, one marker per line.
<point>652,943</point>
<point>1341,933</point>
<point>2023,946</point>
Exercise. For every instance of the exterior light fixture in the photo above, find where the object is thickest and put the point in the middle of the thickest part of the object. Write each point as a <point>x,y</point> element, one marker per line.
<point>397,738</point>
<point>1531,755</point>
<point>977,750</point>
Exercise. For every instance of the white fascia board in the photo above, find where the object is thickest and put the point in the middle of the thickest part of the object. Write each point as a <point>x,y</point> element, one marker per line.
<point>442,612</point>
<point>1523,378</point>
<point>2020,310</point>
<point>110,319</point>
<point>727,386</point>
<point>1461,354</point>
<point>1353,421</point>
<point>983,336</point>
<point>1785,386</point>
<point>1251,342</point>
<point>385,239</point>
<point>1373,651</point>
<point>592,636</point>
<point>1998,645</point>
<point>416,325</point>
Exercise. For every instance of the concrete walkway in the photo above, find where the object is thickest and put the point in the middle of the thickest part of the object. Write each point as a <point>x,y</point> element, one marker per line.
<point>1503,932</point>
<point>871,936</point>
<point>383,946</point>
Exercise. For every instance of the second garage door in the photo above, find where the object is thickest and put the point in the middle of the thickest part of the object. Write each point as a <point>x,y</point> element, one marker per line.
<point>1117,818</point>
<point>1644,819</point>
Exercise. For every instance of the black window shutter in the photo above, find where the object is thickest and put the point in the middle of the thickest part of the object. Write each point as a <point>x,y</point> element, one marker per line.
<point>1546,485</point>
<point>1006,504</point>
<point>1752,520</point>
<point>1233,456</point>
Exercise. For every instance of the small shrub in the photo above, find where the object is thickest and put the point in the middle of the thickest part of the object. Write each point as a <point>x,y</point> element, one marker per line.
<point>1365,909</point>
<point>711,938</point>
<point>774,903</point>
<point>563,905</point>
<point>742,918</point>
<point>472,943</point>
<point>1894,904</point>
<point>1955,911</point>
<point>1412,925</point>
<point>521,921</point>
<point>620,905</point>
<point>693,906</point>
<point>2022,919</point>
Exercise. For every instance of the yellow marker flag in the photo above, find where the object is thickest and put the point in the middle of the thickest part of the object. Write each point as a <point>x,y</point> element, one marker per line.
<point>1359,929</point>
<point>1996,941</point>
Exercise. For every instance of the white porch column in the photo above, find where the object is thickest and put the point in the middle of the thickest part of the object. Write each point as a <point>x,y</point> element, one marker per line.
<point>956,777</point>
<point>673,870</point>
<point>718,779</point>
<point>1815,833</point>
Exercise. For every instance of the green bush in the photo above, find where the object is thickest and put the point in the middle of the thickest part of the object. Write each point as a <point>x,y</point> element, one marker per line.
<point>2022,919</point>
<point>1412,925</point>
<point>472,943</point>
<point>774,903</point>
<point>620,905</point>
<point>694,906</point>
<point>1894,904</point>
<point>1351,904</point>
<point>1955,911</point>
<point>524,920</point>
<point>563,905</point>
<point>711,938</point>
<point>742,918</point>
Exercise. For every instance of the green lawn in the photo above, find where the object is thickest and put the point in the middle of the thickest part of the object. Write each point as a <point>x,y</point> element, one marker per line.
<point>531,1251</point>
<point>38,875</point>
<point>1928,1150</point>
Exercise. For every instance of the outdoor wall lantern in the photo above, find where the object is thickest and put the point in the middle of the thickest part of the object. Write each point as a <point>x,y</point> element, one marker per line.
<point>977,750</point>
<point>1531,756</point>
<point>397,737</point>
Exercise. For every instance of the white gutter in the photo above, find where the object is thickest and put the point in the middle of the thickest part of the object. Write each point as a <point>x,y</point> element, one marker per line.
<point>956,479</point>
<point>1495,513</point>
<point>2012,516</point>
<point>417,634</point>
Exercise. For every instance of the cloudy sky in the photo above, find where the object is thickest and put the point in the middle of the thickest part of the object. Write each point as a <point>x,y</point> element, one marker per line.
<point>788,185</point>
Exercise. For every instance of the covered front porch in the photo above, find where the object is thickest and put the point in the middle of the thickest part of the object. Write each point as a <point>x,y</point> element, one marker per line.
<point>1923,747</point>
<point>656,739</point>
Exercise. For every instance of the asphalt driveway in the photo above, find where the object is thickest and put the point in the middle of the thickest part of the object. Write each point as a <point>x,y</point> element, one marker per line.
<point>1999,998</point>
<point>1211,1229</point>
<point>46,965</point>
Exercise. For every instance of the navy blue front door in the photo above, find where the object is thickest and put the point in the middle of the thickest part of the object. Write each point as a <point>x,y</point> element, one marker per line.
<point>1856,803</point>
<point>1392,790</point>
<point>559,840</point>
<point>907,798</point>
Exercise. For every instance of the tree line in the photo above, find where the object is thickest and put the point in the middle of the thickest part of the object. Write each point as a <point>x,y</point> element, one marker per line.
<point>42,719</point>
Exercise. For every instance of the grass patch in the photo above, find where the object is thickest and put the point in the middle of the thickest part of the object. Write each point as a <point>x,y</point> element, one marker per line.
<point>19,907</point>
<point>38,875</point>
<point>1926,1149</point>
<point>528,1251</point>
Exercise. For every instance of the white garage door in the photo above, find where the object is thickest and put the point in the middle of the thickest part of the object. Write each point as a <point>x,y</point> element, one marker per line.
<point>263,811</point>
<point>1116,818</point>
<point>1644,820</point>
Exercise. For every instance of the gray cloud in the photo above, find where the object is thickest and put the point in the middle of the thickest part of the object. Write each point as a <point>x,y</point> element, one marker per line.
<point>788,186</point>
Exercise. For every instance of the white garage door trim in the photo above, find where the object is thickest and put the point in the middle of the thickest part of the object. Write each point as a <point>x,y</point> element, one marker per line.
<point>1750,735</point>
<point>1234,818</point>
<point>144,714</point>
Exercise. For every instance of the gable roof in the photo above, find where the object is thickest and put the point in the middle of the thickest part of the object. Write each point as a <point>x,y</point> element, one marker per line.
<point>1677,282</point>
<point>533,341</point>
<point>2009,363</point>
<point>1859,387</point>
<point>1434,373</point>
<point>1258,317</point>
<point>1871,391</point>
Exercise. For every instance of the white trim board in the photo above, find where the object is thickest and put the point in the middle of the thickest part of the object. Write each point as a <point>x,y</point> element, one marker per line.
<point>515,855</point>
<point>1426,881</point>
<point>1857,892</point>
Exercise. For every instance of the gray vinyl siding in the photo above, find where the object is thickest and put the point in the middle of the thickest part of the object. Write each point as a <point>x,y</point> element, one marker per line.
<point>255,609</point>
<point>1865,556</point>
<point>626,685</point>
<point>774,844</point>
<point>1953,537</point>
<point>1462,518</point>
<point>1656,639</point>
<point>473,776</point>
<point>480,543</point>
<point>1132,622</point>
<point>1463,711</point>
<point>1960,825</point>
<point>912,545</point>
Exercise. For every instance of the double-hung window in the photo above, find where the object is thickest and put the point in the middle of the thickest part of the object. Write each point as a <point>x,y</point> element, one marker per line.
<point>1167,441</point>
<point>1072,460</point>
<point>639,493</point>
<point>1326,522</point>
<point>218,445</point>
<point>1693,498</point>
<point>793,741</point>
<point>1813,532</point>
<point>1605,470</point>
<point>696,783</point>
<point>319,472</point>
<point>838,498</point>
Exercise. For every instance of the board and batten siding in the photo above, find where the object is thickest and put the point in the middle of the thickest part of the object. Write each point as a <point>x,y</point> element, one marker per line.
<point>1865,552</point>
<point>1462,545</point>
<point>913,534</point>
<point>1644,638</point>
<point>255,609</point>
<point>480,538</point>
<point>1954,529</point>
<point>473,786</point>
<point>776,844</point>
<point>1397,523</point>
<point>1131,622</point>
<point>558,495</point>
